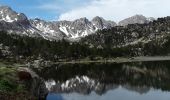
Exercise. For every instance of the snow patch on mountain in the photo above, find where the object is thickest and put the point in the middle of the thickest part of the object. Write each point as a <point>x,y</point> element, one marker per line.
<point>64,30</point>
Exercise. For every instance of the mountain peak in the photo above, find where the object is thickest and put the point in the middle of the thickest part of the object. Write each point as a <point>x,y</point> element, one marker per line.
<point>138,15</point>
<point>5,8</point>
<point>97,18</point>
<point>101,23</point>
<point>138,18</point>
<point>8,15</point>
<point>82,20</point>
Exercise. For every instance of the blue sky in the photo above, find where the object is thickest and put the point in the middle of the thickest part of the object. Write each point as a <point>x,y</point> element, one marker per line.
<point>44,9</point>
<point>72,9</point>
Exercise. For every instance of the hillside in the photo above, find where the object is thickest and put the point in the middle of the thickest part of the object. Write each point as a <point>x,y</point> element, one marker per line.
<point>152,39</point>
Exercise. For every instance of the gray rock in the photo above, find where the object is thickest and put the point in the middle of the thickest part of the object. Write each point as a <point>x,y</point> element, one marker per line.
<point>140,19</point>
<point>101,23</point>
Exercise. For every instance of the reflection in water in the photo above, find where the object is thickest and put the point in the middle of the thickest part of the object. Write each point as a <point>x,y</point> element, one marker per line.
<point>108,81</point>
<point>53,96</point>
<point>117,94</point>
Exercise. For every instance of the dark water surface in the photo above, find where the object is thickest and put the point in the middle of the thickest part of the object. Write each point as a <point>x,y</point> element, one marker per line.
<point>112,81</point>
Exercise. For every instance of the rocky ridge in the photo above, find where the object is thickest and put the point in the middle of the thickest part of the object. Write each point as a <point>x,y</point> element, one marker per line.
<point>18,23</point>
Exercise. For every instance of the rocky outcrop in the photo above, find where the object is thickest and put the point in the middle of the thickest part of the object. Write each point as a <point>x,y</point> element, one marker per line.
<point>33,82</point>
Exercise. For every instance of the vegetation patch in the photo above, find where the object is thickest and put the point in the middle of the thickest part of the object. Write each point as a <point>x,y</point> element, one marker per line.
<point>8,79</point>
<point>10,86</point>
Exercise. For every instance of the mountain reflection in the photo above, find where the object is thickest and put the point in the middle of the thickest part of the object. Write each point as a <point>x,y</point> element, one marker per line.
<point>85,78</point>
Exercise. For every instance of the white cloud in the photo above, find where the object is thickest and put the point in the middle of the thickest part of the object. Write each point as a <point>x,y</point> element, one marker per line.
<point>119,9</point>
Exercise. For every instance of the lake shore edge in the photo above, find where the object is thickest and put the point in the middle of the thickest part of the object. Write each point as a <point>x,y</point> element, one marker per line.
<point>118,60</point>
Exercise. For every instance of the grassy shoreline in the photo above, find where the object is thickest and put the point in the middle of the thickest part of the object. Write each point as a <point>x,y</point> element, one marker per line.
<point>10,86</point>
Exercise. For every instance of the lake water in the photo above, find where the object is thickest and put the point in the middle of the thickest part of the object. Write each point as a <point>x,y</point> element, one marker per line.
<point>111,81</point>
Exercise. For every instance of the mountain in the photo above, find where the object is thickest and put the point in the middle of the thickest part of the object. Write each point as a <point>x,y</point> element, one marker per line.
<point>71,29</point>
<point>135,39</point>
<point>18,23</point>
<point>97,38</point>
<point>8,15</point>
<point>101,23</point>
<point>140,19</point>
<point>14,22</point>
<point>151,39</point>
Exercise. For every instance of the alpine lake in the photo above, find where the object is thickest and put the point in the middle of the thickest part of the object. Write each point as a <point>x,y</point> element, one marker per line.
<point>147,80</point>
